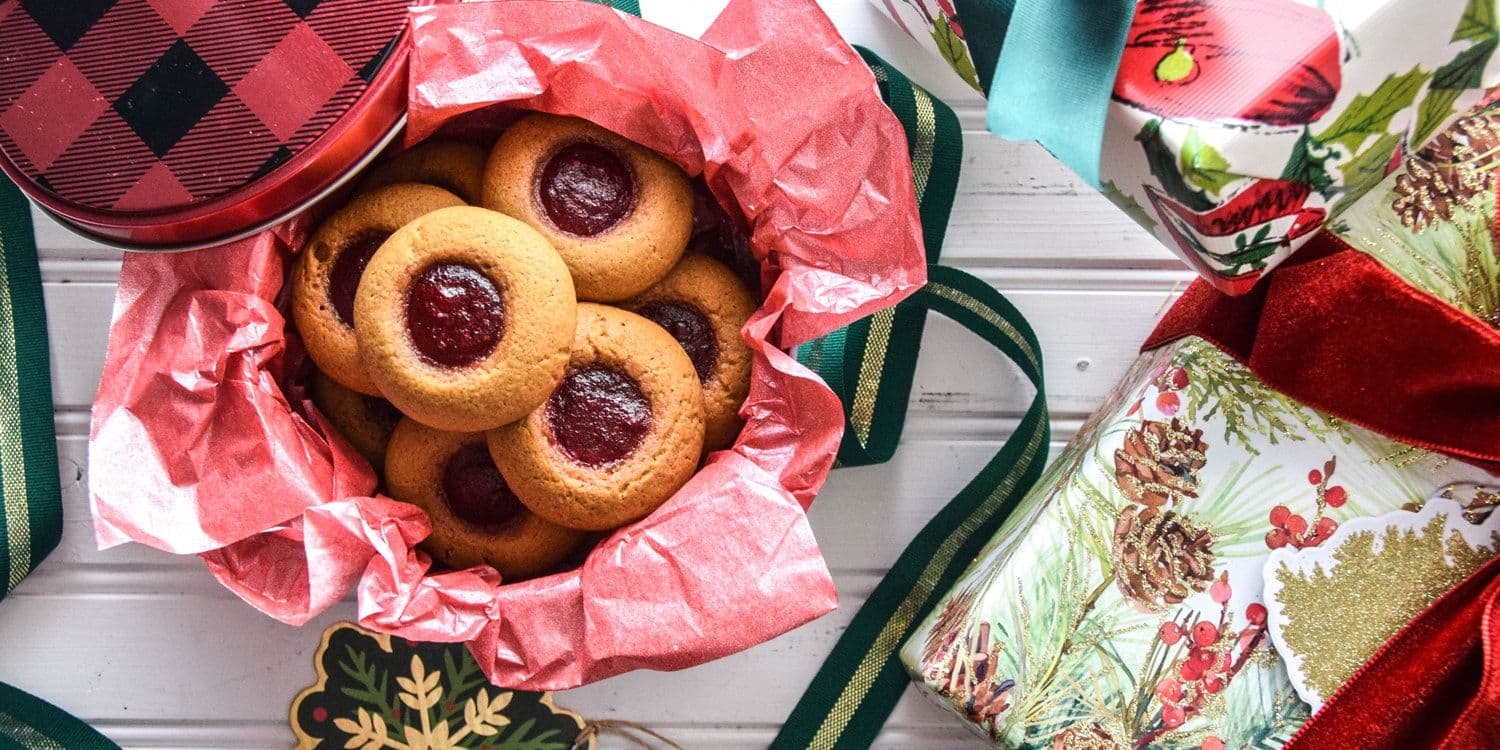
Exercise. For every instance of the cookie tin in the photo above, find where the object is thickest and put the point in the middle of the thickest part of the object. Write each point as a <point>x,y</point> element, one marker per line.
<point>170,124</point>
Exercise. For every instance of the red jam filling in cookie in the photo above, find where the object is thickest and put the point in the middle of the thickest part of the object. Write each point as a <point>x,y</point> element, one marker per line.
<point>586,188</point>
<point>598,415</point>
<point>348,268</point>
<point>454,314</point>
<point>692,330</point>
<point>474,489</point>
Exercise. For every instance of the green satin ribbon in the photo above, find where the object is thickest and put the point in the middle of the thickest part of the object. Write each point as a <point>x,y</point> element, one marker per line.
<point>633,7</point>
<point>984,23</point>
<point>862,678</point>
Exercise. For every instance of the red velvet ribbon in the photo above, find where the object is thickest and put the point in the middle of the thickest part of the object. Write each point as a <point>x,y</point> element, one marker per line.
<point>1336,330</point>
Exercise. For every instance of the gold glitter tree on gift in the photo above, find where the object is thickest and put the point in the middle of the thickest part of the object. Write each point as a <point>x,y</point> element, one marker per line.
<point>1339,614</point>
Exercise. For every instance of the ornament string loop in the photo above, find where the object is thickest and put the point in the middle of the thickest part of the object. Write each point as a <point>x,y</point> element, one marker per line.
<point>642,736</point>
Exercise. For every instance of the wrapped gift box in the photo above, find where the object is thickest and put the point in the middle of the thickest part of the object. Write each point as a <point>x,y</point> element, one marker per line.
<point>1122,604</point>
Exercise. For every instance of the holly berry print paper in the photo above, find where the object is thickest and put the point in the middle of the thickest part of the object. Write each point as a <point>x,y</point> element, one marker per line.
<point>1121,605</point>
<point>1238,128</point>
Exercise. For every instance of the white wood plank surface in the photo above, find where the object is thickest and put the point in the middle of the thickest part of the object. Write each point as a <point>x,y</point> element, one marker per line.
<point>145,646</point>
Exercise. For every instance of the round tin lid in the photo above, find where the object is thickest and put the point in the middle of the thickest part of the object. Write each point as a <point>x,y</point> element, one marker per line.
<point>157,123</point>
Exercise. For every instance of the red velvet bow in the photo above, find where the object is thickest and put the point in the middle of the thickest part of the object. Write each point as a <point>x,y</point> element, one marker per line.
<point>1338,331</point>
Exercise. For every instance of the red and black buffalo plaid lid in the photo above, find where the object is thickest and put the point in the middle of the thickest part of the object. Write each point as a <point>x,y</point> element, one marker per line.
<point>181,122</point>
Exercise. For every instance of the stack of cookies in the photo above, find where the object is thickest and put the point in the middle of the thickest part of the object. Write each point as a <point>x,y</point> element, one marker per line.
<point>520,339</point>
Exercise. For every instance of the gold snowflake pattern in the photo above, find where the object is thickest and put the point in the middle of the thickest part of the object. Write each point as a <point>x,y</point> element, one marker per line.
<point>421,693</point>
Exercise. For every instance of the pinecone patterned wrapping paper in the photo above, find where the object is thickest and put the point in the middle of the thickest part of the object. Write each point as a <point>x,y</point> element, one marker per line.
<point>1121,604</point>
<point>1237,128</point>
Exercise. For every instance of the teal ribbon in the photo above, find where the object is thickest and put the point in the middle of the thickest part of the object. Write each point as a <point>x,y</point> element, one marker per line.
<point>1055,74</point>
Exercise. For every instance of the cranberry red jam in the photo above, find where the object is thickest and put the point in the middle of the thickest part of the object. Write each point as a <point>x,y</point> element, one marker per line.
<point>598,415</point>
<point>586,188</point>
<point>474,489</point>
<point>692,330</point>
<point>454,314</point>
<point>348,269</point>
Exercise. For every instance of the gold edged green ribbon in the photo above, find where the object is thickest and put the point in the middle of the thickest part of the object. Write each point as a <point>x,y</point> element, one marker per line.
<point>855,690</point>
<point>870,365</point>
<point>30,723</point>
<point>31,523</point>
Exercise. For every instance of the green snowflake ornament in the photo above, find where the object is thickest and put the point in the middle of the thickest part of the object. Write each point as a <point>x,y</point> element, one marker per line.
<point>374,691</point>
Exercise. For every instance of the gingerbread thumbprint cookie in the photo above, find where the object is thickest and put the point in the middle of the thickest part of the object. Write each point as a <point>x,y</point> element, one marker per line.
<point>475,517</point>
<point>619,434</point>
<point>331,266</point>
<point>454,166</point>
<point>465,319</point>
<point>365,421</point>
<point>704,306</point>
<point>619,214</point>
